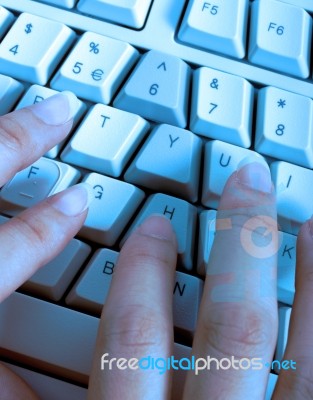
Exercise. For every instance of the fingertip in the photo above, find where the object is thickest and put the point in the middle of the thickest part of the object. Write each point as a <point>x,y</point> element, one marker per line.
<point>157,226</point>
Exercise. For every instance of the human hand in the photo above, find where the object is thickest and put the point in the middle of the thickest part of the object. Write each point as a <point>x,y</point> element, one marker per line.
<point>238,314</point>
<point>37,235</point>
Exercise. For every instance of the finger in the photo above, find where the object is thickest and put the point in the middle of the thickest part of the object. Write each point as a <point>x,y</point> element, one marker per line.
<point>298,383</point>
<point>38,234</point>
<point>238,313</point>
<point>136,320</point>
<point>26,134</point>
<point>12,387</point>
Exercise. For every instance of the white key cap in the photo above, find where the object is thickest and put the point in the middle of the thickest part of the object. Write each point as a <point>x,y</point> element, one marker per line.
<point>54,339</point>
<point>115,136</point>
<point>49,388</point>
<point>10,91</point>
<point>114,205</point>
<point>294,193</point>
<point>280,37</point>
<point>6,19</point>
<point>51,280</point>
<point>219,26</point>
<point>284,126</point>
<point>183,218</point>
<point>284,314</point>
<point>187,297</point>
<point>220,161</point>
<point>61,3</point>
<point>157,89</point>
<point>34,183</point>
<point>306,4</point>
<point>33,48</point>
<point>207,221</point>
<point>38,93</point>
<point>132,13</point>
<point>286,270</point>
<point>169,161</point>
<point>95,68</point>
<point>90,291</point>
<point>222,106</point>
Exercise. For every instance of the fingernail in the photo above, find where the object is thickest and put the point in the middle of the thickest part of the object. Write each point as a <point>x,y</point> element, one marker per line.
<point>157,226</point>
<point>254,172</point>
<point>57,109</point>
<point>74,200</point>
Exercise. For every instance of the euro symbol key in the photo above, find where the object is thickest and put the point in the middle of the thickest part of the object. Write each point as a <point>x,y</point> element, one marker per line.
<point>97,74</point>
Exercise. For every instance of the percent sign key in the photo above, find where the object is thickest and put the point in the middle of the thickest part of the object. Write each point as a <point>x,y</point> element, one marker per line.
<point>94,47</point>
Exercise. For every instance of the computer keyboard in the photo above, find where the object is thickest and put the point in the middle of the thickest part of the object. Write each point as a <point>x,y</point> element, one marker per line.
<point>173,94</point>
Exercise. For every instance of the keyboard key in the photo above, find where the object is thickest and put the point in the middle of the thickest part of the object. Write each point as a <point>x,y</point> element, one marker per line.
<point>115,136</point>
<point>33,48</point>
<point>52,280</point>
<point>306,4</point>
<point>284,126</point>
<point>131,13</point>
<point>294,193</point>
<point>284,314</point>
<point>38,93</point>
<point>49,388</point>
<point>95,68</point>
<point>219,26</point>
<point>207,221</point>
<point>6,19</point>
<point>183,218</point>
<point>91,290</point>
<point>35,183</point>
<point>286,270</point>
<point>48,337</point>
<point>222,106</point>
<point>10,91</point>
<point>157,89</point>
<point>220,161</point>
<point>272,379</point>
<point>114,205</point>
<point>169,161</point>
<point>187,297</point>
<point>60,3</point>
<point>280,37</point>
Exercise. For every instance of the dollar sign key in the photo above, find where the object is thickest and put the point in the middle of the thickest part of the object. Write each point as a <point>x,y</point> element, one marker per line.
<point>28,28</point>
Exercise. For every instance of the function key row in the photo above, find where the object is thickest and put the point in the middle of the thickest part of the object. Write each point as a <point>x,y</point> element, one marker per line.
<point>280,34</point>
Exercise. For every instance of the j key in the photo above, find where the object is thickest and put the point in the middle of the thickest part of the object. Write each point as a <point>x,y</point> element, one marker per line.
<point>280,37</point>
<point>157,89</point>
<point>33,48</point>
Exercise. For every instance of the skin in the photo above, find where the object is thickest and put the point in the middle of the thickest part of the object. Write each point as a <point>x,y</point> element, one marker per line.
<point>137,317</point>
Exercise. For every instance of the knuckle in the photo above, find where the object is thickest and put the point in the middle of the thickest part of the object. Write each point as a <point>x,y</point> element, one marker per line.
<point>13,135</point>
<point>137,327</point>
<point>236,330</point>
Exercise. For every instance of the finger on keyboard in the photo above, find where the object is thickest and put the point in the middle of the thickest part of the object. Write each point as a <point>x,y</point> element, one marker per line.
<point>35,183</point>
<point>157,89</point>
<point>183,218</point>
<point>168,161</point>
<point>33,48</point>
<point>96,67</point>
<point>280,37</point>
